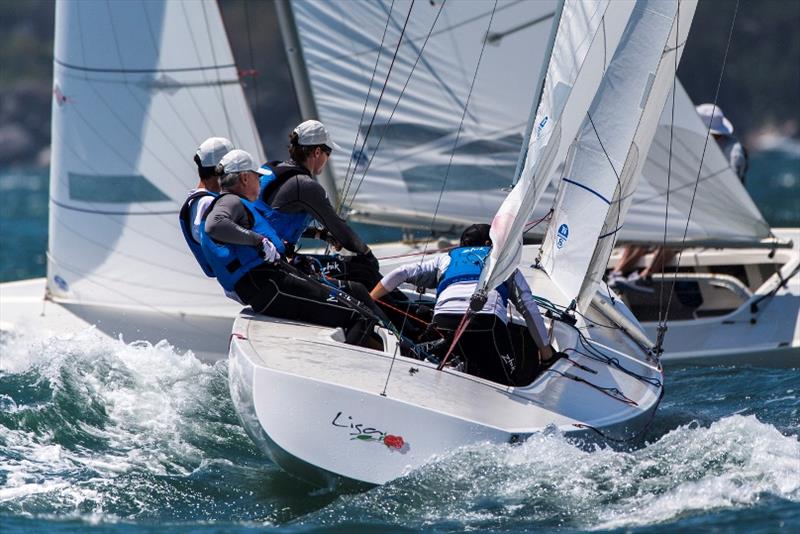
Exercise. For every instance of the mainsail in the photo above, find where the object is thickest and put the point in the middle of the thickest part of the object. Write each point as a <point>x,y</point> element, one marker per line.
<point>137,86</point>
<point>342,43</point>
<point>411,147</point>
<point>606,156</point>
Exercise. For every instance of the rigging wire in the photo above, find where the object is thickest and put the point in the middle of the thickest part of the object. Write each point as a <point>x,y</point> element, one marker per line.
<point>394,109</point>
<point>662,328</point>
<point>383,89</point>
<point>700,167</point>
<point>452,154</point>
<point>347,178</point>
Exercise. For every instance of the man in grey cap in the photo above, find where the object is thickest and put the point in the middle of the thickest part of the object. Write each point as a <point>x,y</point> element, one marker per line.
<point>245,254</point>
<point>293,198</point>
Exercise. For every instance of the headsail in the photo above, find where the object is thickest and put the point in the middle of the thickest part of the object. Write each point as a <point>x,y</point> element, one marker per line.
<point>605,157</point>
<point>587,35</point>
<point>137,86</point>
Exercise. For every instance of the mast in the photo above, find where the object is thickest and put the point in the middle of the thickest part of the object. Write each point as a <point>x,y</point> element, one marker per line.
<point>302,83</point>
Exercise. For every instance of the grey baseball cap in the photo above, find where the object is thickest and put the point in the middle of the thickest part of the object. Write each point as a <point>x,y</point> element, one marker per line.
<point>239,161</point>
<point>313,132</point>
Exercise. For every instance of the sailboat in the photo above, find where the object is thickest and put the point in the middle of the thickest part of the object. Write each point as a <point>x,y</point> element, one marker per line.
<point>116,263</point>
<point>738,290</point>
<point>327,411</point>
<point>136,86</point>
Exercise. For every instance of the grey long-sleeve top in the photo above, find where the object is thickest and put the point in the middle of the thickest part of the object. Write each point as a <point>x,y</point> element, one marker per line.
<point>228,222</point>
<point>302,193</point>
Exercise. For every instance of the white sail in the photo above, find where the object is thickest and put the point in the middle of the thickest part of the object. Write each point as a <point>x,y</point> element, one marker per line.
<point>341,43</point>
<point>588,33</point>
<point>659,87</point>
<point>723,212</point>
<point>604,156</point>
<point>137,86</point>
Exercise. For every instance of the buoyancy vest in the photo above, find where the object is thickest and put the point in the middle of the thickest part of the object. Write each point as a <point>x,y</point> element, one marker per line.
<point>466,264</point>
<point>185,218</point>
<point>288,226</point>
<point>229,261</point>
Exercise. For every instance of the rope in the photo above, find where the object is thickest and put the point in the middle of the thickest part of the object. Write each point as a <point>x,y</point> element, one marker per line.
<point>347,177</point>
<point>383,90</point>
<point>697,180</point>
<point>394,108</point>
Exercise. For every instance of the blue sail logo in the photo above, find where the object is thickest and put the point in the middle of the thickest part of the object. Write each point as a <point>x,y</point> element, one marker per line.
<point>562,235</point>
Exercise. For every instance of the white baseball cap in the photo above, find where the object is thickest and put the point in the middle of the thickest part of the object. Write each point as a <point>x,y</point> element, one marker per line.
<point>239,161</point>
<point>714,119</point>
<point>314,133</point>
<point>212,149</point>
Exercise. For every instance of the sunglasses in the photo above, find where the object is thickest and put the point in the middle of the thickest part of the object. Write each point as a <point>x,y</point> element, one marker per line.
<point>326,149</point>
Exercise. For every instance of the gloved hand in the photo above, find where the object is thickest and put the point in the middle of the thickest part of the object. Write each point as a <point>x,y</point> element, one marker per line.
<point>372,261</point>
<point>271,254</point>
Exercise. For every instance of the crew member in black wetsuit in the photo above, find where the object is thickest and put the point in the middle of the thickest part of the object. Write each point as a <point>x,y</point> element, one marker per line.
<point>245,255</point>
<point>291,198</point>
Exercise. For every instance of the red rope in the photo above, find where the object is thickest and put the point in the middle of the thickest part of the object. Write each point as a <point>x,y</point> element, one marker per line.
<point>398,310</point>
<point>462,326</point>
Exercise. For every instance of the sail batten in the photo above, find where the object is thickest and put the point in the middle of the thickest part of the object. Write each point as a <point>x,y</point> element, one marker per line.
<point>137,86</point>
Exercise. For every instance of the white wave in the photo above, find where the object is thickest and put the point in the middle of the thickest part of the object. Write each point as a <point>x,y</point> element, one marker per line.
<point>140,408</point>
<point>548,482</point>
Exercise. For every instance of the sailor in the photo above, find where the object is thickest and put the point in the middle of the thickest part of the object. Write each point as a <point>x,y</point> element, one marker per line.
<point>486,344</point>
<point>291,198</point>
<point>625,276</point>
<point>244,252</point>
<point>207,157</point>
<point>722,130</point>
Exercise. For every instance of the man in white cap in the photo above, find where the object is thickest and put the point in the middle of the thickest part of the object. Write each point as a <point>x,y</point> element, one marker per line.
<point>293,198</point>
<point>244,252</point>
<point>722,131</point>
<point>208,155</point>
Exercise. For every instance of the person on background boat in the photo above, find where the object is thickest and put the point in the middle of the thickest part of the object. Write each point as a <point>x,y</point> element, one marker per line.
<point>290,198</point>
<point>625,276</point>
<point>486,344</point>
<point>207,157</point>
<point>244,252</point>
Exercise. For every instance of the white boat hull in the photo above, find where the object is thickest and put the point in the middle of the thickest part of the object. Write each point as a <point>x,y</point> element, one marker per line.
<point>317,407</point>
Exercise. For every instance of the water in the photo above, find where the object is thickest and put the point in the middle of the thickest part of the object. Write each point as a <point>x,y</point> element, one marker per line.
<point>129,437</point>
<point>96,433</point>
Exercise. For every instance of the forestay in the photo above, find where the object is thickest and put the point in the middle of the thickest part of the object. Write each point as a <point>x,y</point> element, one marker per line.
<point>607,151</point>
<point>587,35</point>
<point>137,86</point>
<point>653,103</point>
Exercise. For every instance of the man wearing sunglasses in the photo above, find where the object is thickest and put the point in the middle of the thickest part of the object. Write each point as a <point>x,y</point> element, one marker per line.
<point>293,198</point>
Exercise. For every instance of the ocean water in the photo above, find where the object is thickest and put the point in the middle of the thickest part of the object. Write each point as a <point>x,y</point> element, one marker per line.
<point>106,436</point>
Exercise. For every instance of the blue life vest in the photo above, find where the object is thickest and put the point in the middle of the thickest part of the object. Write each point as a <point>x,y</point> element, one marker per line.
<point>288,226</point>
<point>185,218</point>
<point>230,262</point>
<point>466,264</point>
